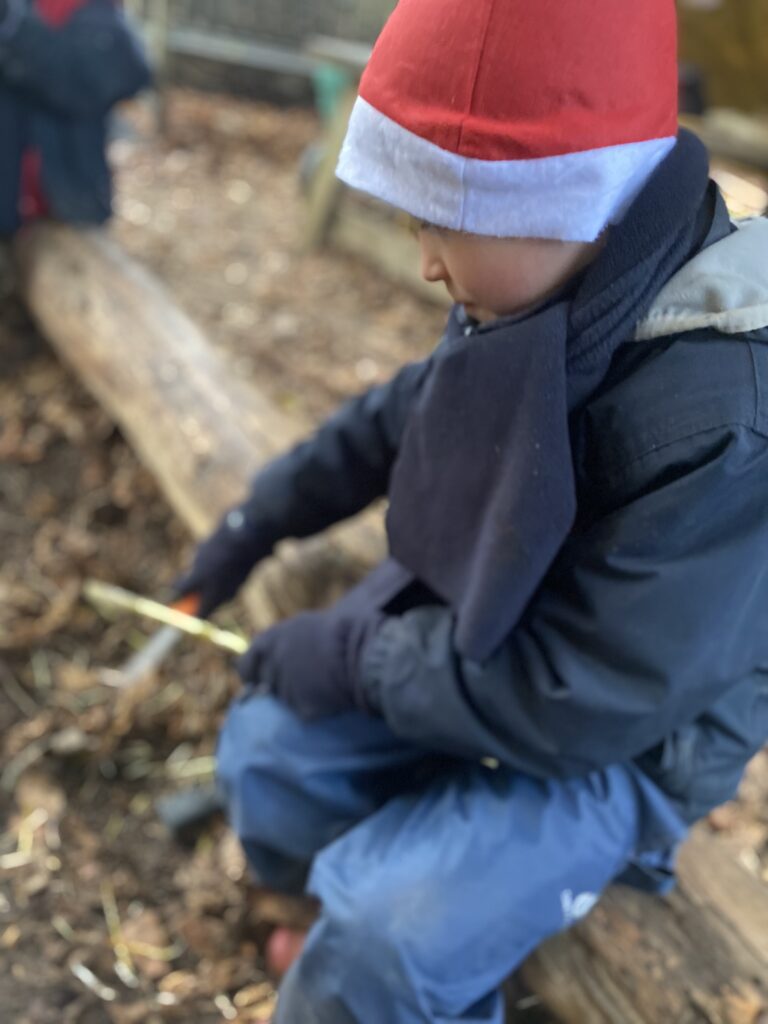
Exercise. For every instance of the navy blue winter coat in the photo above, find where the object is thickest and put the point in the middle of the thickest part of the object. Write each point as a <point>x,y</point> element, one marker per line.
<point>648,639</point>
<point>57,84</point>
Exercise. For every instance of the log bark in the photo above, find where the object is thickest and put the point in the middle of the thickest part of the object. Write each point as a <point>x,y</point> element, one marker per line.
<point>192,423</point>
<point>699,956</point>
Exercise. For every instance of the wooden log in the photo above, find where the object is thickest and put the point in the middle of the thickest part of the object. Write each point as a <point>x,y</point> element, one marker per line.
<point>699,956</point>
<point>194,425</point>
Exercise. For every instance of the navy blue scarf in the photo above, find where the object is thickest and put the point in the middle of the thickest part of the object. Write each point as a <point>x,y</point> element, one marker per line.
<point>483,493</point>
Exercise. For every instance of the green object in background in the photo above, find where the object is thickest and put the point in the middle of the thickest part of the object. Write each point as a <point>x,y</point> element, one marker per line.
<point>330,83</point>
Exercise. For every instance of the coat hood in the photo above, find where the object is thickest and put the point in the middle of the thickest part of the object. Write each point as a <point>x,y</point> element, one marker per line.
<point>724,288</point>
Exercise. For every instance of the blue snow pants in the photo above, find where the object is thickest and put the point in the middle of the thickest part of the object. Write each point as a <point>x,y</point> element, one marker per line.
<point>436,876</point>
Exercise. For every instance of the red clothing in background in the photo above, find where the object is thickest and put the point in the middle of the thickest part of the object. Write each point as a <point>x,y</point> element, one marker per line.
<point>32,201</point>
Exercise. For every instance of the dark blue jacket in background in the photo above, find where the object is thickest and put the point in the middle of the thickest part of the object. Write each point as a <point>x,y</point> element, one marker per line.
<point>648,638</point>
<point>57,85</point>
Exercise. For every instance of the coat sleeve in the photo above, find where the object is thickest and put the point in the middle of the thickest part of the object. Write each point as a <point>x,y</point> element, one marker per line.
<point>80,68</point>
<point>644,621</point>
<point>341,469</point>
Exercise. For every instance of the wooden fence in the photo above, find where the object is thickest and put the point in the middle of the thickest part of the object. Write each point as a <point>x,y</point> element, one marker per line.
<point>260,35</point>
<point>285,22</point>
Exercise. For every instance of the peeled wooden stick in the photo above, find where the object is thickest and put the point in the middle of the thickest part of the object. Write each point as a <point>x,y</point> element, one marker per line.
<point>104,595</point>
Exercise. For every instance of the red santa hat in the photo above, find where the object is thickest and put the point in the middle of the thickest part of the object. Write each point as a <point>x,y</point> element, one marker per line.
<point>516,118</point>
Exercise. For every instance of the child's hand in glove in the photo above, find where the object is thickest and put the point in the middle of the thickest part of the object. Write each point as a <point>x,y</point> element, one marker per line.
<point>224,560</point>
<point>311,661</point>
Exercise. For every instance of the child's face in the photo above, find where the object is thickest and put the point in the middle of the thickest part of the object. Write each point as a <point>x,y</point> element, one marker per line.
<point>496,277</point>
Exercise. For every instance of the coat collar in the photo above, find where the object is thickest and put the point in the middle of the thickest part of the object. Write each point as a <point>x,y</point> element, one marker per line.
<point>723,288</point>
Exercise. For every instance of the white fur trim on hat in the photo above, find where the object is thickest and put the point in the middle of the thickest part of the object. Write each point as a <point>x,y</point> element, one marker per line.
<point>571,197</point>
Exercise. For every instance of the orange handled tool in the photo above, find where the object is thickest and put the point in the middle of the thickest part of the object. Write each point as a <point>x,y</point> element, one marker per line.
<point>189,604</point>
<point>155,650</point>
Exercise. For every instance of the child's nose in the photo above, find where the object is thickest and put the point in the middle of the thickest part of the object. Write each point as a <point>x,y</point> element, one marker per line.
<point>432,268</point>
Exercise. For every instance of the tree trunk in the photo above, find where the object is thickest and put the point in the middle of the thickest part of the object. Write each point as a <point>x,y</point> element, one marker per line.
<point>190,420</point>
<point>699,956</point>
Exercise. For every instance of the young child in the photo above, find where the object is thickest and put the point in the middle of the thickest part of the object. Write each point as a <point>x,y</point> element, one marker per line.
<point>564,661</point>
<point>63,64</point>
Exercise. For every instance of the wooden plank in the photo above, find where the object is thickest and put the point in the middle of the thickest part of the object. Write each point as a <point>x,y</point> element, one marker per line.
<point>325,188</point>
<point>190,42</point>
<point>342,52</point>
<point>153,22</point>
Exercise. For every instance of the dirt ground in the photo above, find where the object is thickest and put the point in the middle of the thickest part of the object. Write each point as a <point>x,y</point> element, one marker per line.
<point>102,917</point>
